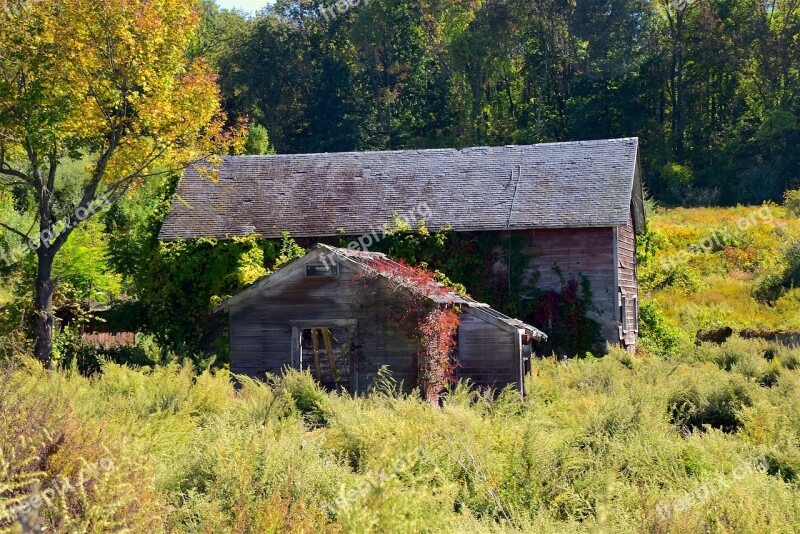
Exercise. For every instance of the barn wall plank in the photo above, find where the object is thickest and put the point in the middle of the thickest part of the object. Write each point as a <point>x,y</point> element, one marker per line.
<point>628,282</point>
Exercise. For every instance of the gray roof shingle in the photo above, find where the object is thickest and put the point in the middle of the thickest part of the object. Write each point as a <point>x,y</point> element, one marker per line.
<point>551,185</point>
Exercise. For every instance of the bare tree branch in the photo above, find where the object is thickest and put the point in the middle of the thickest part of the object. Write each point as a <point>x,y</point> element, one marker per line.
<point>15,231</point>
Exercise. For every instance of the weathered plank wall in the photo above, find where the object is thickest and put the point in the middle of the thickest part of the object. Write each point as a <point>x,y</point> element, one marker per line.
<point>260,327</point>
<point>486,353</point>
<point>628,282</point>
<point>577,252</point>
<point>261,331</point>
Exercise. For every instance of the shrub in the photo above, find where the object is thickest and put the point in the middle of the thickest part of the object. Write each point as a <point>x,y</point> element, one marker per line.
<point>791,200</point>
<point>774,285</point>
<point>63,471</point>
<point>704,403</point>
<point>306,395</point>
<point>655,334</point>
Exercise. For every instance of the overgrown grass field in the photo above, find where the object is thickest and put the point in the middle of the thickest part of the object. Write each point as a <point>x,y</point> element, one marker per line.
<point>708,441</point>
<point>682,437</point>
<point>748,278</point>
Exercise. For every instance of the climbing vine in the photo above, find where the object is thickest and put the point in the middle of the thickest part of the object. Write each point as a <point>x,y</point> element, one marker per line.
<point>434,327</point>
<point>437,365</point>
<point>564,316</point>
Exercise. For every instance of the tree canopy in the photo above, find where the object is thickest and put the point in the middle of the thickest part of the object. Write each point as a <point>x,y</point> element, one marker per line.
<point>710,86</point>
<point>106,84</point>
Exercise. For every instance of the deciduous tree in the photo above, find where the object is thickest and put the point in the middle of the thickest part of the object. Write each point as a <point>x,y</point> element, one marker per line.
<point>104,82</point>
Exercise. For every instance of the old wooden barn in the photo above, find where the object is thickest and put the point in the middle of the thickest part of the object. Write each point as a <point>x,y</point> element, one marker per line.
<point>337,313</point>
<point>568,210</point>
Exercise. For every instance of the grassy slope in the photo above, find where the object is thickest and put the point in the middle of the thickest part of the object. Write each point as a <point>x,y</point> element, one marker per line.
<point>716,289</point>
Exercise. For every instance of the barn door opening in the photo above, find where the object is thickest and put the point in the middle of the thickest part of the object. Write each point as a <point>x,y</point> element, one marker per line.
<point>327,352</point>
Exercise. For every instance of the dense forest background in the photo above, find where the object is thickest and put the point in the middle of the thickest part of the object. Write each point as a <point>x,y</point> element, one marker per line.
<point>710,86</point>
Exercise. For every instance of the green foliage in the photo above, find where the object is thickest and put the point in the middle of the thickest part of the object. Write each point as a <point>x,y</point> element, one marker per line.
<point>257,141</point>
<point>177,284</point>
<point>655,333</point>
<point>565,316</point>
<point>304,394</point>
<point>289,250</point>
<point>402,74</point>
<point>64,470</point>
<point>791,200</point>
<point>702,404</point>
<point>774,285</point>
<point>743,279</point>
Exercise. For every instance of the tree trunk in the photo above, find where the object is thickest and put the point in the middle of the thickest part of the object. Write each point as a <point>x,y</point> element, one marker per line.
<point>43,306</point>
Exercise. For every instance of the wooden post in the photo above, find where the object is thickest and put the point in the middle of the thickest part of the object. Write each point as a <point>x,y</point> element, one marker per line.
<point>315,347</point>
<point>326,336</point>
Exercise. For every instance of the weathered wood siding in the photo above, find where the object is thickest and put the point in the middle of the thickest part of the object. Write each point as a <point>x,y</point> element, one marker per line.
<point>486,352</point>
<point>628,282</point>
<point>261,327</point>
<point>261,331</point>
<point>577,252</point>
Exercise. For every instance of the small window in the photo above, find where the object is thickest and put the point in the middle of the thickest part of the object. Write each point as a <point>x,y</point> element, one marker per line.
<point>623,316</point>
<point>322,270</point>
<point>636,314</point>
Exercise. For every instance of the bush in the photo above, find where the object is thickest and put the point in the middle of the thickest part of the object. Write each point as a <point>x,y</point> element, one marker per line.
<point>774,285</point>
<point>655,334</point>
<point>64,471</point>
<point>305,395</point>
<point>791,200</point>
<point>717,405</point>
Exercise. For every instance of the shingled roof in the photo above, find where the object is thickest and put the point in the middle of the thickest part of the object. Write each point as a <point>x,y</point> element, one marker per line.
<point>551,185</point>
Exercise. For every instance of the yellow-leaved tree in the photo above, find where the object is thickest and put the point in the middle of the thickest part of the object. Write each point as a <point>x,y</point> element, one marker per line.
<point>106,82</point>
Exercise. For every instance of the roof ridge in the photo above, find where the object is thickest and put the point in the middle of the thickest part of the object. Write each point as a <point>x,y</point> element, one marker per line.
<point>462,150</point>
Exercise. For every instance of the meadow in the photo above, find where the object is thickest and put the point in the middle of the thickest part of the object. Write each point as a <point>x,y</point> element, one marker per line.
<point>748,278</point>
<point>707,441</point>
<point>680,437</point>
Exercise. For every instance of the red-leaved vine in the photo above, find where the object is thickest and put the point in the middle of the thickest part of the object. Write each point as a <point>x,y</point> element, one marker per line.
<point>437,364</point>
<point>435,327</point>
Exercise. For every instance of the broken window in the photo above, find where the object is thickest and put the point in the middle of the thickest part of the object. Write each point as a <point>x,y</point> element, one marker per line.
<point>326,352</point>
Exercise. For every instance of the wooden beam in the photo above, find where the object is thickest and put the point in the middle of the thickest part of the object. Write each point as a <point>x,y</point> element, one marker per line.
<point>326,336</point>
<point>519,360</point>
<point>315,348</point>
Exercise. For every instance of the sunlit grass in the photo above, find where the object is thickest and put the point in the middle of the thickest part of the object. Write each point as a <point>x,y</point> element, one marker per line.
<point>606,445</point>
<point>716,288</point>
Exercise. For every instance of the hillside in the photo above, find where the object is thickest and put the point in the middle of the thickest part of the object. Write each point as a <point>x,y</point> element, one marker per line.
<point>710,268</point>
